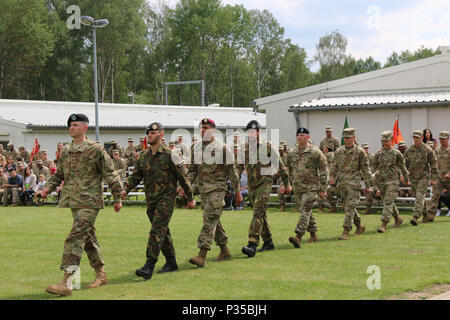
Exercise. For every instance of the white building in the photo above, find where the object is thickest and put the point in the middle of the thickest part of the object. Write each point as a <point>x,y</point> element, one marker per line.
<point>21,121</point>
<point>417,92</point>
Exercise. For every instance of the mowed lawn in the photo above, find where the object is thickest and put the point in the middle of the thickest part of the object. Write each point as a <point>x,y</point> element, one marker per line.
<point>409,258</point>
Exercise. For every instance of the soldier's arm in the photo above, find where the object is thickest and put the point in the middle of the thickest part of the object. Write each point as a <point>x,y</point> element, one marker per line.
<point>407,162</point>
<point>432,160</point>
<point>323,171</point>
<point>231,171</point>
<point>282,170</point>
<point>364,165</point>
<point>110,175</point>
<point>334,168</point>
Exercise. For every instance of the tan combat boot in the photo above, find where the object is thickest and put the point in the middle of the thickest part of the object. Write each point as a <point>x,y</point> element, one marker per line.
<point>398,222</point>
<point>333,209</point>
<point>383,227</point>
<point>224,254</point>
<point>345,234</point>
<point>200,260</point>
<point>360,230</point>
<point>64,288</point>
<point>100,278</point>
<point>414,221</point>
<point>313,238</point>
<point>430,217</point>
<point>296,241</point>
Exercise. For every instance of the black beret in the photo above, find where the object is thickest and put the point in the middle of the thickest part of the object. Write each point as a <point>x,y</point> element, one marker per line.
<point>208,121</point>
<point>77,117</point>
<point>153,127</point>
<point>253,125</point>
<point>302,130</point>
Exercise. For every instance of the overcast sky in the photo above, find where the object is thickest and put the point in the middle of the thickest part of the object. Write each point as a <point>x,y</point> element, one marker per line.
<point>373,28</point>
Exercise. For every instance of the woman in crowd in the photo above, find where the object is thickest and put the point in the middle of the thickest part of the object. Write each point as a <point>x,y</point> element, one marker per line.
<point>428,136</point>
<point>29,187</point>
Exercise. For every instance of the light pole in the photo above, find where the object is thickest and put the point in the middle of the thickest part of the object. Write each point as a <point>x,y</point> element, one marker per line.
<point>131,94</point>
<point>90,22</point>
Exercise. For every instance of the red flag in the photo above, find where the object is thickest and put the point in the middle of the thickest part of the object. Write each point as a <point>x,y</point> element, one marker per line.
<point>397,135</point>
<point>35,150</point>
<point>145,143</point>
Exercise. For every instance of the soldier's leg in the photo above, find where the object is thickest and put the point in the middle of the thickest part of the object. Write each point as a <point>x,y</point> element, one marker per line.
<point>351,198</point>
<point>82,234</point>
<point>259,220</point>
<point>220,236</point>
<point>306,221</point>
<point>159,236</point>
<point>212,210</point>
<point>389,194</point>
<point>419,190</point>
<point>434,202</point>
<point>331,193</point>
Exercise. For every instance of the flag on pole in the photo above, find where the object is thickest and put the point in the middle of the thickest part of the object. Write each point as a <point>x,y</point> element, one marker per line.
<point>144,147</point>
<point>396,134</point>
<point>345,127</point>
<point>35,151</point>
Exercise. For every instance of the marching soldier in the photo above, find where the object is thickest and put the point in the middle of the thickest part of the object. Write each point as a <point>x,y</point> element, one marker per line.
<point>161,170</point>
<point>210,171</point>
<point>421,164</point>
<point>281,191</point>
<point>83,166</point>
<point>388,162</point>
<point>350,162</point>
<point>443,180</point>
<point>308,169</point>
<point>370,196</point>
<point>260,178</point>
<point>329,139</point>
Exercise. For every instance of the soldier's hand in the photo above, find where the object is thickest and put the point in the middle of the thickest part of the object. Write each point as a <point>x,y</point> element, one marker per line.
<point>44,193</point>
<point>237,199</point>
<point>117,206</point>
<point>408,184</point>
<point>322,195</point>
<point>402,179</point>
<point>191,204</point>
<point>123,195</point>
<point>289,190</point>
<point>332,182</point>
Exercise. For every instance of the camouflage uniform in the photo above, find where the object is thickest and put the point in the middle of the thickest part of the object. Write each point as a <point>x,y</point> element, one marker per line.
<point>331,142</point>
<point>309,173</point>
<point>388,163</point>
<point>371,195</point>
<point>119,148</point>
<point>420,162</point>
<point>281,197</point>
<point>260,187</point>
<point>82,168</point>
<point>348,165</point>
<point>160,176</point>
<point>121,167</point>
<point>443,164</point>
<point>43,170</point>
<point>211,178</point>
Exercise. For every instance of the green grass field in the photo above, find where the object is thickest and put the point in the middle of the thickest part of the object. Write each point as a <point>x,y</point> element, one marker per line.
<point>410,258</point>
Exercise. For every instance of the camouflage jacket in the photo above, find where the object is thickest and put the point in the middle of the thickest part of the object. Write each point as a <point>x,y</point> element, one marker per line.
<point>349,164</point>
<point>262,174</point>
<point>211,167</point>
<point>333,141</point>
<point>129,152</point>
<point>387,164</point>
<point>120,166</point>
<point>443,161</point>
<point>44,171</point>
<point>308,169</point>
<point>420,162</point>
<point>160,174</point>
<point>82,168</point>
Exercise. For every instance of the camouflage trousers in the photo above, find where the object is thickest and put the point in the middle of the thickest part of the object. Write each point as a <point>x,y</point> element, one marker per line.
<point>212,227</point>
<point>281,197</point>
<point>159,239</point>
<point>332,195</point>
<point>82,237</point>
<point>350,194</point>
<point>419,189</point>
<point>437,191</point>
<point>389,193</point>
<point>305,200</point>
<point>259,226</point>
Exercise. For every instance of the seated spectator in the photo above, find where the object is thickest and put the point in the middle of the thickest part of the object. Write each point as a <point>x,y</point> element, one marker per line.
<point>244,189</point>
<point>39,187</point>
<point>428,136</point>
<point>444,199</point>
<point>41,169</point>
<point>3,181</point>
<point>13,188</point>
<point>10,165</point>
<point>24,154</point>
<point>12,152</point>
<point>20,169</point>
<point>29,187</point>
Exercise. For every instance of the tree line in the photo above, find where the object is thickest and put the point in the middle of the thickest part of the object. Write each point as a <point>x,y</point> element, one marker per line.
<point>241,54</point>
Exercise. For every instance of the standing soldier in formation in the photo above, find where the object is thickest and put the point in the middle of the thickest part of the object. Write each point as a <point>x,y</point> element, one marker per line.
<point>443,180</point>
<point>129,152</point>
<point>350,162</point>
<point>260,178</point>
<point>210,171</point>
<point>119,164</point>
<point>160,170</point>
<point>388,162</point>
<point>329,139</point>
<point>281,192</point>
<point>116,146</point>
<point>421,164</point>
<point>182,146</point>
<point>83,166</point>
<point>370,196</point>
<point>308,170</point>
